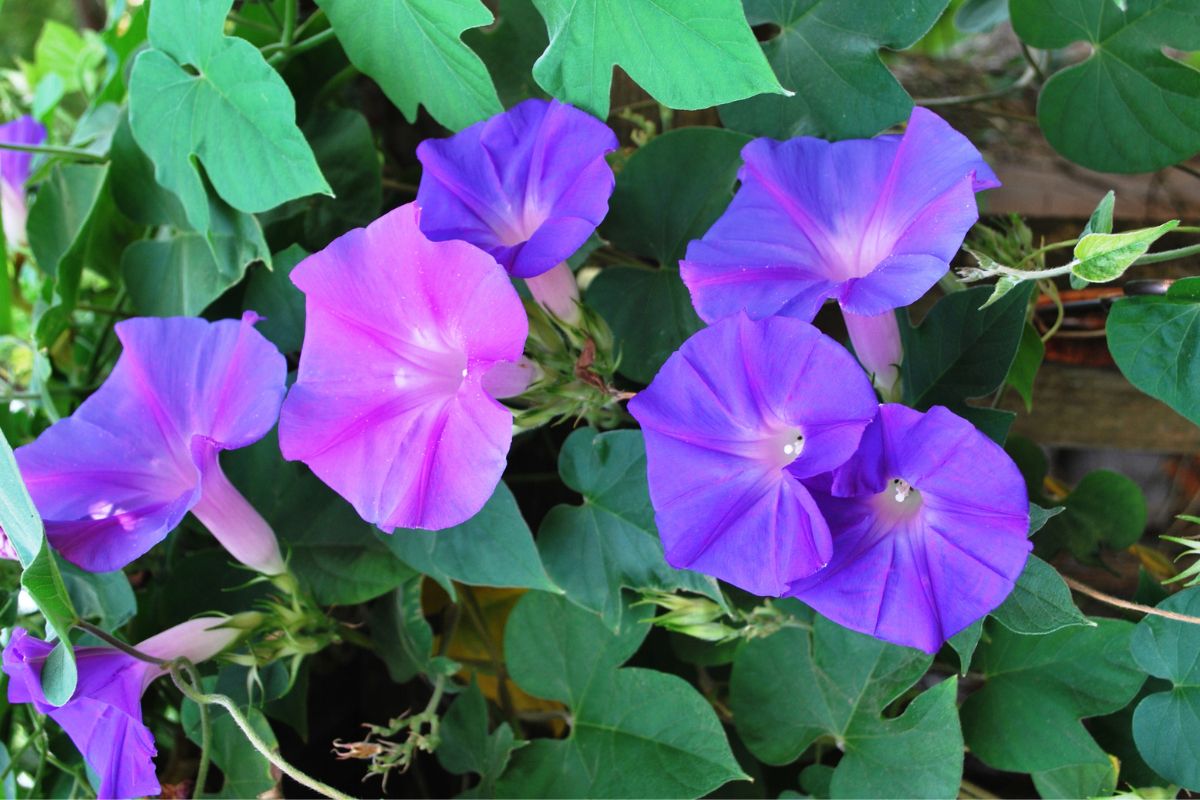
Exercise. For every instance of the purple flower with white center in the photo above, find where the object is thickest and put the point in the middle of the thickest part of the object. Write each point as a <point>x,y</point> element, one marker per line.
<point>528,185</point>
<point>871,223</point>
<point>404,343</point>
<point>114,478</point>
<point>104,715</point>
<point>14,172</point>
<point>733,422</point>
<point>930,523</point>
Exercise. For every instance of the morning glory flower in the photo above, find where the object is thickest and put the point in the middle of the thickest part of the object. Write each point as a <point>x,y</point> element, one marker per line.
<point>104,715</point>
<point>14,172</point>
<point>394,406</point>
<point>734,421</point>
<point>930,523</point>
<point>871,223</point>
<point>114,478</point>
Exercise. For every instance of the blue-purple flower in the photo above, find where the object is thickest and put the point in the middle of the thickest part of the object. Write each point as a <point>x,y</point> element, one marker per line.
<point>930,523</point>
<point>528,185</point>
<point>407,343</point>
<point>114,478</point>
<point>14,172</point>
<point>104,715</point>
<point>734,421</point>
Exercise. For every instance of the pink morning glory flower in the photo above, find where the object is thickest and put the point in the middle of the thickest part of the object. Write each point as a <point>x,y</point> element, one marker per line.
<point>394,406</point>
<point>114,478</point>
<point>930,523</point>
<point>871,223</point>
<point>104,715</point>
<point>14,172</point>
<point>734,421</point>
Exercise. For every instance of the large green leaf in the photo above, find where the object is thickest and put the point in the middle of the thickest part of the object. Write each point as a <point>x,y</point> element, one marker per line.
<point>1040,603</point>
<point>22,524</point>
<point>1026,716</point>
<point>333,552</point>
<point>827,51</point>
<point>468,747</point>
<point>1104,509</point>
<point>493,548</point>
<point>413,50</point>
<point>609,542</point>
<point>685,53</point>
<point>837,683</point>
<point>199,99</point>
<point>1156,343</point>
<point>1128,107</point>
<point>961,351</point>
<point>1166,725</point>
<point>510,48</point>
<point>634,732</point>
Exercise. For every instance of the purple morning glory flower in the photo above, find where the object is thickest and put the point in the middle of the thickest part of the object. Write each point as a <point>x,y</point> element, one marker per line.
<point>733,422</point>
<point>528,185</point>
<point>104,716</point>
<point>872,223</point>
<point>114,478</point>
<point>930,523</point>
<point>393,406</point>
<point>14,172</point>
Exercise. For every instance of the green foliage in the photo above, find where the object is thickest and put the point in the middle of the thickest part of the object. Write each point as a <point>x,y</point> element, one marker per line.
<point>1104,509</point>
<point>1026,716</point>
<point>246,772</point>
<point>1155,342</point>
<point>685,53</point>
<point>468,747</point>
<point>413,49</point>
<point>401,633</point>
<point>1166,724</point>
<point>634,731</point>
<point>271,293</point>
<point>1104,257</point>
<point>827,52</point>
<point>1040,603</point>
<point>609,542</point>
<point>199,98</point>
<point>1147,100</point>
<point>838,683</point>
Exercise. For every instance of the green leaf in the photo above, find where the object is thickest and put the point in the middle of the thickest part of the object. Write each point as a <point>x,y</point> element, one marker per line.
<point>137,194</point>
<point>964,644</point>
<point>696,168</point>
<point>1079,780</point>
<point>468,747</point>
<point>828,52</point>
<point>1166,725</point>
<point>334,553</point>
<point>687,54</point>
<point>650,313</point>
<point>413,50</point>
<point>1104,257</point>
<point>247,773</point>
<point>609,542</point>
<point>1024,369</point>
<point>65,54</point>
<point>23,526</point>
<point>493,548</point>
<point>1026,718</point>
<point>510,48</point>
<point>8,784</point>
<point>1128,107</point>
<point>271,293</point>
<point>959,350</point>
<point>1041,602</point>
<point>1105,509</point>
<point>201,99</point>
<point>1156,342</point>
<point>1101,221</point>
<point>183,272</point>
<point>837,683</point>
<point>105,598</point>
<point>634,732</point>
<point>400,631</point>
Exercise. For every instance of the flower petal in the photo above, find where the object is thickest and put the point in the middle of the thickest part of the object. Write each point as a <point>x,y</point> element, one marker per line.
<point>14,164</point>
<point>389,408</point>
<point>528,186</point>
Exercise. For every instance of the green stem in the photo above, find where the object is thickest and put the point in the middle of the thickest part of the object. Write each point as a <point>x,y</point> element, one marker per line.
<point>290,10</point>
<point>205,732</point>
<point>316,40</point>
<point>113,641</point>
<point>1168,255</point>
<point>74,153</point>
<point>239,719</point>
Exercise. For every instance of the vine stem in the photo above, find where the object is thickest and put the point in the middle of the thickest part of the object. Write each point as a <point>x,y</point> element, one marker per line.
<point>205,732</point>
<point>1020,83</point>
<point>74,153</point>
<point>201,698</point>
<point>1117,602</point>
<point>113,641</point>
